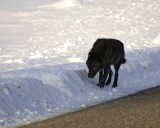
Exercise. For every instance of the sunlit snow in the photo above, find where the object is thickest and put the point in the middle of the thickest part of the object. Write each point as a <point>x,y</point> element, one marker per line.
<point>44,45</point>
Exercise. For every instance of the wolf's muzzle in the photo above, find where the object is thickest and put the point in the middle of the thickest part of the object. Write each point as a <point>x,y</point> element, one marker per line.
<point>90,76</point>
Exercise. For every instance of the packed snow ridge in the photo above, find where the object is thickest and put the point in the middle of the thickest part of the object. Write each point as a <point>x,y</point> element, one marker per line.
<point>53,90</point>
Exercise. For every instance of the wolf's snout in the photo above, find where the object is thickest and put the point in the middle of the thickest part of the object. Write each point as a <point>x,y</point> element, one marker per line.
<point>90,76</point>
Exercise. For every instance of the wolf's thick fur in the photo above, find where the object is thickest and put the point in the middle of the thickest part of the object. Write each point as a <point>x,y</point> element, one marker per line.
<point>104,53</point>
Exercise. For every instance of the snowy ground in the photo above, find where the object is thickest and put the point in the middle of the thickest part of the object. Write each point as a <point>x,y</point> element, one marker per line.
<point>44,46</point>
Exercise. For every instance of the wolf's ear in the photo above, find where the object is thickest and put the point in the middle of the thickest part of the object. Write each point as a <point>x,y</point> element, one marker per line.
<point>90,54</point>
<point>87,62</point>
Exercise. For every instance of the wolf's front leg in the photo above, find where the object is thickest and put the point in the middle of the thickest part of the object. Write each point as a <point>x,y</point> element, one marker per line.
<point>110,77</point>
<point>100,77</point>
<point>104,77</point>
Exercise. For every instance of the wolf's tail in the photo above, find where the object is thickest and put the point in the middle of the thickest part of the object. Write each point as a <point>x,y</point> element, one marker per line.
<point>123,60</point>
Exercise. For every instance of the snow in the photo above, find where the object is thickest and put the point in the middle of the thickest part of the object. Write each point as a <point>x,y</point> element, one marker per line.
<point>44,45</point>
<point>62,4</point>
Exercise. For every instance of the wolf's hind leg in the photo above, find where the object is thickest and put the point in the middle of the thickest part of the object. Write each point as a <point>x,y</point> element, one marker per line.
<point>116,66</point>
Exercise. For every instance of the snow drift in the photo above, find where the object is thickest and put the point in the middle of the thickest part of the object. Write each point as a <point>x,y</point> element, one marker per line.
<point>53,90</point>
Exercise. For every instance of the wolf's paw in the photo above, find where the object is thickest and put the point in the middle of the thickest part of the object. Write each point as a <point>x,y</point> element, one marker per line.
<point>100,85</point>
<point>107,83</point>
<point>114,85</point>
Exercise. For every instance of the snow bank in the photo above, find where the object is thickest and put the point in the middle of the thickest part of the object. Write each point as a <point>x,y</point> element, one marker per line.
<point>53,90</point>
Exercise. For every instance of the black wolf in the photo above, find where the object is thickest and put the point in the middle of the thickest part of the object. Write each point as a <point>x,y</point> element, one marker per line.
<point>104,53</point>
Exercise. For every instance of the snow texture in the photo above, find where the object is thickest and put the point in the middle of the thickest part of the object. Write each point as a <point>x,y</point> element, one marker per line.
<point>44,45</point>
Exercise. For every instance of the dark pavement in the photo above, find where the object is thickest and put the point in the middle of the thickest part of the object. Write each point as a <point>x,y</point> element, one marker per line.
<point>141,110</point>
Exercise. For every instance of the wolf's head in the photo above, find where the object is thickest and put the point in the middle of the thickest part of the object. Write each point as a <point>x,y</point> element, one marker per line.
<point>94,64</point>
